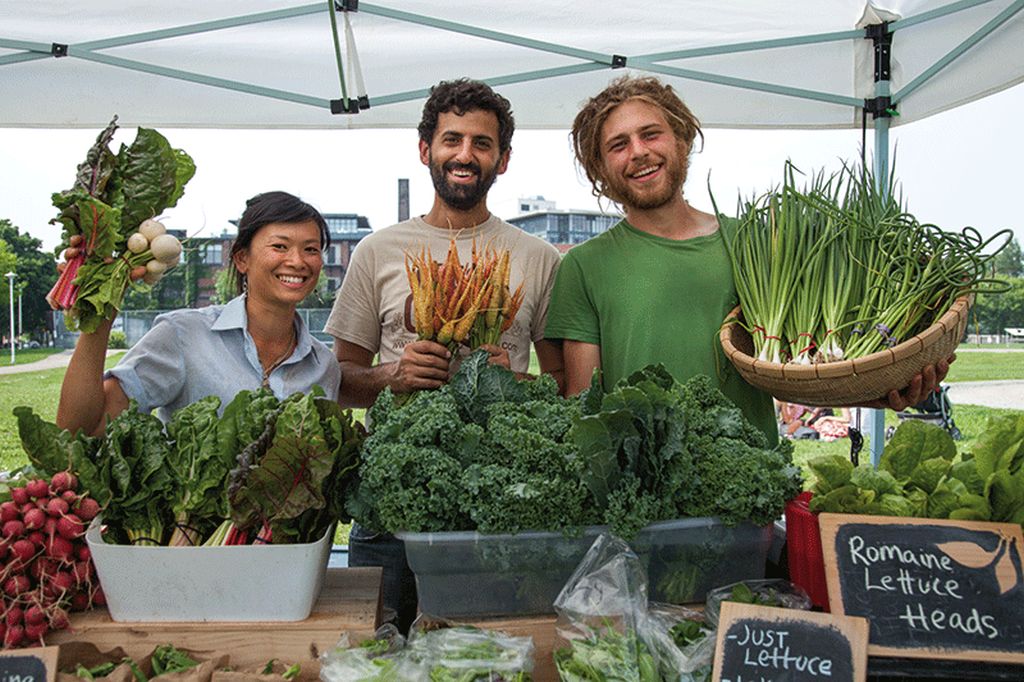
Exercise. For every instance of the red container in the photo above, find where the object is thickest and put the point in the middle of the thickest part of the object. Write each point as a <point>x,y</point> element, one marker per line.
<point>803,549</point>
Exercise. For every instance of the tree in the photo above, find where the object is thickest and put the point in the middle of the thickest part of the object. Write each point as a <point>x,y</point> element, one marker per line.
<point>996,312</point>
<point>1009,262</point>
<point>37,273</point>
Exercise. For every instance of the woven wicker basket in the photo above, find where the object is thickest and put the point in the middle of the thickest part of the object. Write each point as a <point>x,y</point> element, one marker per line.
<point>848,382</point>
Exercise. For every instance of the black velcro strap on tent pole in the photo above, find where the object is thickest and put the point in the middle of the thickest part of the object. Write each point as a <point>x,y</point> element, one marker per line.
<point>881,36</point>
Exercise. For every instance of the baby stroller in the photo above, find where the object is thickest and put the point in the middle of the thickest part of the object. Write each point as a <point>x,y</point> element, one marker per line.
<point>935,409</point>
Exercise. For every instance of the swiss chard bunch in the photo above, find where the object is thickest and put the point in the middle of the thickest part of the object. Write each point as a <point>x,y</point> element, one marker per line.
<point>111,197</point>
<point>290,484</point>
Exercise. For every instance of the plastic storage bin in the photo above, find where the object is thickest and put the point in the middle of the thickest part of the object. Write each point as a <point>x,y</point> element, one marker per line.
<point>471,574</point>
<point>225,584</point>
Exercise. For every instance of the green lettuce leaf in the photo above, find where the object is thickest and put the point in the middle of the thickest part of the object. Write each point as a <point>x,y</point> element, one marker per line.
<point>928,473</point>
<point>913,443</point>
<point>1001,445</point>
<point>831,472</point>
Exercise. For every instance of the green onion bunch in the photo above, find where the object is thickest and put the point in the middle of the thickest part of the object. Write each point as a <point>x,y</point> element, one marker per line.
<point>839,269</point>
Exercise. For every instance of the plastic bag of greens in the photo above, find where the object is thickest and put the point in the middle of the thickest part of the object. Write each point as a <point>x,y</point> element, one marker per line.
<point>381,659</point>
<point>768,592</point>
<point>682,642</point>
<point>462,653</point>
<point>601,615</point>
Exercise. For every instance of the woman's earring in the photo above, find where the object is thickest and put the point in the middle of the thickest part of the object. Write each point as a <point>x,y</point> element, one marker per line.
<point>245,284</point>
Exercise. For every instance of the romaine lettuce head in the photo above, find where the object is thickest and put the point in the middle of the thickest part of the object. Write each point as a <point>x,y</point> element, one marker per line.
<point>913,443</point>
<point>831,471</point>
<point>877,480</point>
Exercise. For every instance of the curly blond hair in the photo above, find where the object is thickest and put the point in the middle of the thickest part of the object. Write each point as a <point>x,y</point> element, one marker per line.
<point>586,128</point>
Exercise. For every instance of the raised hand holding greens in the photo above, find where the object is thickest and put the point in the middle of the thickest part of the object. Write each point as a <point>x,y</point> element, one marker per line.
<point>108,218</point>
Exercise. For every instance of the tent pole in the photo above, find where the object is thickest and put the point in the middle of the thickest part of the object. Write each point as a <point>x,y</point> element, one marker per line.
<point>876,418</point>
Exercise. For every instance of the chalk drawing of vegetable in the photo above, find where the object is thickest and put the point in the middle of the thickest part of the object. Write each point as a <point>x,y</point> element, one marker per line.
<point>972,555</point>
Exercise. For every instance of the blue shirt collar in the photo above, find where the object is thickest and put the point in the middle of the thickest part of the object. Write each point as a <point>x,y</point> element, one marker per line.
<point>233,316</point>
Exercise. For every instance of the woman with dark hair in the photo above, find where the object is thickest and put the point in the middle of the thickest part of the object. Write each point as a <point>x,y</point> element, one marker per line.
<point>254,340</point>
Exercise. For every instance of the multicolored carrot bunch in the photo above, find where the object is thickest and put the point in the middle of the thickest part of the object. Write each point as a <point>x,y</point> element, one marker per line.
<point>456,304</point>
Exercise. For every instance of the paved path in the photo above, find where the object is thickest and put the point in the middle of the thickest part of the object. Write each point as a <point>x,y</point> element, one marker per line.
<point>60,359</point>
<point>1008,394</point>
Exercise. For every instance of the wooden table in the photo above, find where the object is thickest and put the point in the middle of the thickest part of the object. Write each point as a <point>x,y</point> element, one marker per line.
<point>542,629</point>
<point>349,602</point>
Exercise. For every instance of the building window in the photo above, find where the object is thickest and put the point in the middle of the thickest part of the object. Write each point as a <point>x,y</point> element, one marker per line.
<point>331,255</point>
<point>212,254</point>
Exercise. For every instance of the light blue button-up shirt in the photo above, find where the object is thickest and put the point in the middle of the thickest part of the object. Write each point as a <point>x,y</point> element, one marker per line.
<point>192,353</point>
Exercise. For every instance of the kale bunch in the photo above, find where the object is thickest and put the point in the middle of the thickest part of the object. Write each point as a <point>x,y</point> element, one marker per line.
<point>484,452</point>
<point>655,449</point>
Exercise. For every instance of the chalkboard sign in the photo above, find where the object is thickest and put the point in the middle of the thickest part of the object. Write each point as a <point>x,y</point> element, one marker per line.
<point>29,665</point>
<point>766,644</point>
<point>929,588</point>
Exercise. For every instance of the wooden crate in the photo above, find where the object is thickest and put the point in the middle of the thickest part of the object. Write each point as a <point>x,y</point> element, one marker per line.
<point>349,602</point>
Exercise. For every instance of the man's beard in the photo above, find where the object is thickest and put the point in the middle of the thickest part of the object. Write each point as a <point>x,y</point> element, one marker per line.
<point>461,197</point>
<point>621,192</point>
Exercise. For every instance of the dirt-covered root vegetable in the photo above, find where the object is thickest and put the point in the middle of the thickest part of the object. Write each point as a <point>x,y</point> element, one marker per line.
<point>165,248</point>
<point>154,271</point>
<point>137,242</point>
<point>151,229</point>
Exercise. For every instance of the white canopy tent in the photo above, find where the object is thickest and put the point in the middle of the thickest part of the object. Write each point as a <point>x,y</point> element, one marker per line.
<point>272,63</point>
<point>280,64</point>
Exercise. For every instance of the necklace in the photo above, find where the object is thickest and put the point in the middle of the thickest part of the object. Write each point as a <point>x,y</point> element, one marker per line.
<point>265,383</point>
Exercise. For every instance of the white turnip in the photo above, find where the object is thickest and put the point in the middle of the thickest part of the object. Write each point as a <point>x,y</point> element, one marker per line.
<point>137,243</point>
<point>165,248</point>
<point>151,229</point>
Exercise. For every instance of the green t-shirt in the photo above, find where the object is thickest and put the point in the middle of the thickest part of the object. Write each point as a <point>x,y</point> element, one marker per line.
<point>646,299</point>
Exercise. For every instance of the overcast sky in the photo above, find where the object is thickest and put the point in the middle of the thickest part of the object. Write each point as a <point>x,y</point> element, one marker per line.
<point>958,168</point>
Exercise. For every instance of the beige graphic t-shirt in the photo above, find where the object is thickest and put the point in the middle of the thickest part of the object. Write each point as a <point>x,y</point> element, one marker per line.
<point>373,309</point>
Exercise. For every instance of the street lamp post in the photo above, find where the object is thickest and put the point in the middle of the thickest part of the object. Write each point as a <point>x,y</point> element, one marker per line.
<point>10,280</point>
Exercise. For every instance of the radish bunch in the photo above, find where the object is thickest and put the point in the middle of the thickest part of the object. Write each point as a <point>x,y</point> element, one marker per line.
<point>153,249</point>
<point>47,568</point>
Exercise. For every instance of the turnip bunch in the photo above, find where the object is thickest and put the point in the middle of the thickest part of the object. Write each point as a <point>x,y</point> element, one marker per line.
<point>47,568</point>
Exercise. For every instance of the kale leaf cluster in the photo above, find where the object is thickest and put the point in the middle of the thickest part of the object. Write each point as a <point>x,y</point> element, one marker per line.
<point>490,453</point>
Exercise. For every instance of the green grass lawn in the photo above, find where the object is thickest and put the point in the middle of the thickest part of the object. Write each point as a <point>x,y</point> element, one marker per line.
<point>25,355</point>
<point>986,367</point>
<point>40,391</point>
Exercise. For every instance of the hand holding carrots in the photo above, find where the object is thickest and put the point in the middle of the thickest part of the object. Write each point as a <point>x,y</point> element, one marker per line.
<point>423,365</point>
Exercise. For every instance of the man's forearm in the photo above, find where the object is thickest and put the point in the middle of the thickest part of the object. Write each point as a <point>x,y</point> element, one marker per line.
<point>360,385</point>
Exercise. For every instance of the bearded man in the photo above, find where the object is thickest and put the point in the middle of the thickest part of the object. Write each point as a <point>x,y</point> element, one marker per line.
<point>465,140</point>
<point>656,287</point>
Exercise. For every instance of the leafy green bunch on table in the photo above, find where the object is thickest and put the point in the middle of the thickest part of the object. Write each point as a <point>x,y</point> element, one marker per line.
<point>266,469</point>
<point>490,453</point>
<point>920,475</point>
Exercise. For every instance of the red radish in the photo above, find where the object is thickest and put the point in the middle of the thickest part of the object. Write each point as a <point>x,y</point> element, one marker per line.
<point>42,502</point>
<point>9,511</point>
<point>19,496</point>
<point>80,601</point>
<point>17,585</point>
<point>13,529</point>
<point>34,519</point>
<point>14,636</point>
<point>69,496</point>
<point>57,507</point>
<point>14,616</point>
<point>82,571</point>
<point>28,506</point>
<point>34,614</point>
<point>63,480</point>
<point>23,550</point>
<point>59,548</point>
<point>37,488</point>
<point>70,527</point>
<point>35,632</point>
<point>50,526</point>
<point>83,553</point>
<point>61,582</point>
<point>58,618</point>
<point>98,598</point>
<point>88,508</point>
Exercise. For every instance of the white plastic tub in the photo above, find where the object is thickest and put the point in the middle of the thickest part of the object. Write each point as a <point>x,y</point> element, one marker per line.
<point>219,584</point>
